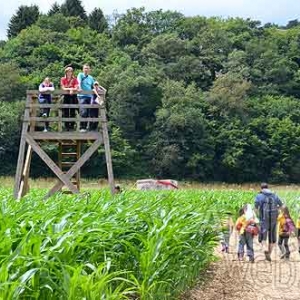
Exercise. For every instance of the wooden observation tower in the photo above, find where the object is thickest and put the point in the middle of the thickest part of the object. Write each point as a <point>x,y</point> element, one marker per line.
<point>70,155</point>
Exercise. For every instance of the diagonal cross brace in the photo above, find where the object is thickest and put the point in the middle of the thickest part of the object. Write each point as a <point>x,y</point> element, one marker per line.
<point>80,162</point>
<point>51,164</point>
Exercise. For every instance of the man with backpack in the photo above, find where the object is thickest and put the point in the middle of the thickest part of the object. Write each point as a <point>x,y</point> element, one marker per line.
<point>267,205</point>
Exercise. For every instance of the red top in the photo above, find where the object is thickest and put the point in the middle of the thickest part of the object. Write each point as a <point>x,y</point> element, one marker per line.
<point>69,83</point>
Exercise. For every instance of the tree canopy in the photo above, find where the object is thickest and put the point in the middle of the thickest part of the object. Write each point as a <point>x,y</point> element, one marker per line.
<point>188,97</point>
<point>24,17</point>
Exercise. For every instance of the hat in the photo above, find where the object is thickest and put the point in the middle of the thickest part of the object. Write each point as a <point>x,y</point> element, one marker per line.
<point>96,82</point>
<point>68,69</point>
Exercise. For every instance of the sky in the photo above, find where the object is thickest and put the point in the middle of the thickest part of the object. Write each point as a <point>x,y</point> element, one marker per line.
<point>274,11</point>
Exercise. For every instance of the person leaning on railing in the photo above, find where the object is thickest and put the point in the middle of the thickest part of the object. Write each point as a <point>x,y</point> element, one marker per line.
<point>45,98</point>
<point>86,83</point>
<point>69,83</point>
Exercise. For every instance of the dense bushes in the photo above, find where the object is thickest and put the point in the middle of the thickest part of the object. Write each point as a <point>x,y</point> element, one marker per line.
<point>199,98</point>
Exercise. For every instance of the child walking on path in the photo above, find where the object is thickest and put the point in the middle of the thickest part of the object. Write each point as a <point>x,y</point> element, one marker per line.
<point>247,228</point>
<point>285,227</point>
<point>226,230</point>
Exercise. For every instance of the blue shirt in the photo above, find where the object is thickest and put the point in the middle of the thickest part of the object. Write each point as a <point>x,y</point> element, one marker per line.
<point>86,83</point>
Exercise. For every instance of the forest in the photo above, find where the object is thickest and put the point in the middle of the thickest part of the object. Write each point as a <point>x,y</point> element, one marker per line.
<point>191,98</point>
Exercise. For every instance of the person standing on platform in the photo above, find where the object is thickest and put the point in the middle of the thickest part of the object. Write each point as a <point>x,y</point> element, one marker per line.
<point>45,98</point>
<point>86,83</point>
<point>96,99</point>
<point>69,83</point>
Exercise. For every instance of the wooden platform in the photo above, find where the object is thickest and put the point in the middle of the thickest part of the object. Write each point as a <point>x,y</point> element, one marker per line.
<point>67,169</point>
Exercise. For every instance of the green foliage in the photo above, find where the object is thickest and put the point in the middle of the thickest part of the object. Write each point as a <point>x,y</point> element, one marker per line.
<point>55,9</point>
<point>123,155</point>
<point>133,101</point>
<point>181,134</point>
<point>136,245</point>
<point>160,21</point>
<point>228,95</point>
<point>24,17</point>
<point>73,8</point>
<point>11,84</point>
<point>56,22</point>
<point>97,21</point>
<point>132,28</point>
<point>10,128</point>
<point>193,97</point>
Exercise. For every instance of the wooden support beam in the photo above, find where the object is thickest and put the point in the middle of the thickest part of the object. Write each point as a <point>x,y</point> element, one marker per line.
<point>60,125</point>
<point>107,151</point>
<point>21,152</point>
<point>49,162</point>
<point>62,92</point>
<point>24,186</point>
<point>80,162</point>
<point>58,119</point>
<point>66,136</point>
<point>59,105</point>
<point>78,174</point>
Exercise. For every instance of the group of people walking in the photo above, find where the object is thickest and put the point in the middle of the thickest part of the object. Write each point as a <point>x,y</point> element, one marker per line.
<point>273,221</point>
<point>74,86</point>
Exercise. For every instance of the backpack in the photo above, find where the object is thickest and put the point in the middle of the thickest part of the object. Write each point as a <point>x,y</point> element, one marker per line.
<point>288,227</point>
<point>270,209</point>
<point>252,228</point>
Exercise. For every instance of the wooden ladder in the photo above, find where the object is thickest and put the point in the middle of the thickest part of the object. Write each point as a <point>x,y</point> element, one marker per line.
<point>68,153</point>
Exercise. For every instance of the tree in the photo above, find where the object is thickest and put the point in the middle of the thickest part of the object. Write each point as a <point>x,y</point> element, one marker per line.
<point>181,144</point>
<point>10,129</point>
<point>292,23</point>
<point>24,17</point>
<point>97,20</point>
<point>160,21</point>
<point>134,99</point>
<point>228,95</point>
<point>132,28</point>
<point>55,9</point>
<point>11,86</point>
<point>73,8</point>
<point>189,97</point>
<point>56,22</point>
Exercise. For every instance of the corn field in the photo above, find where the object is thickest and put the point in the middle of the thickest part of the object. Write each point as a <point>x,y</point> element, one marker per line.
<point>137,245</point>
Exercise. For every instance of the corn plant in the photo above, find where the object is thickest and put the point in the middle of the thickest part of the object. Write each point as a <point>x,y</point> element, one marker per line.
<point>137,245</point>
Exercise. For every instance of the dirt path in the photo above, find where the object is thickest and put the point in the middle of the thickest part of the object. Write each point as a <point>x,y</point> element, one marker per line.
<point>262,280</point>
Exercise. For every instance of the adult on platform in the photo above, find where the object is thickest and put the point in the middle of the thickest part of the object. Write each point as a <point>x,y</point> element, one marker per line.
<point>69,83</point>
<point>86,83</point>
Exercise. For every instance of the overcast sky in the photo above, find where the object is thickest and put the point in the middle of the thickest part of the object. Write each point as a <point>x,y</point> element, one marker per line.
<point>276,11</point>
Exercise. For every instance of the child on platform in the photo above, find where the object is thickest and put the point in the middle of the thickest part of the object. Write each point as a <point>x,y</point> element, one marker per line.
<point>96,99</point>
<point>45,98</point>
<point>285,227</point>
<point>247,227</point>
